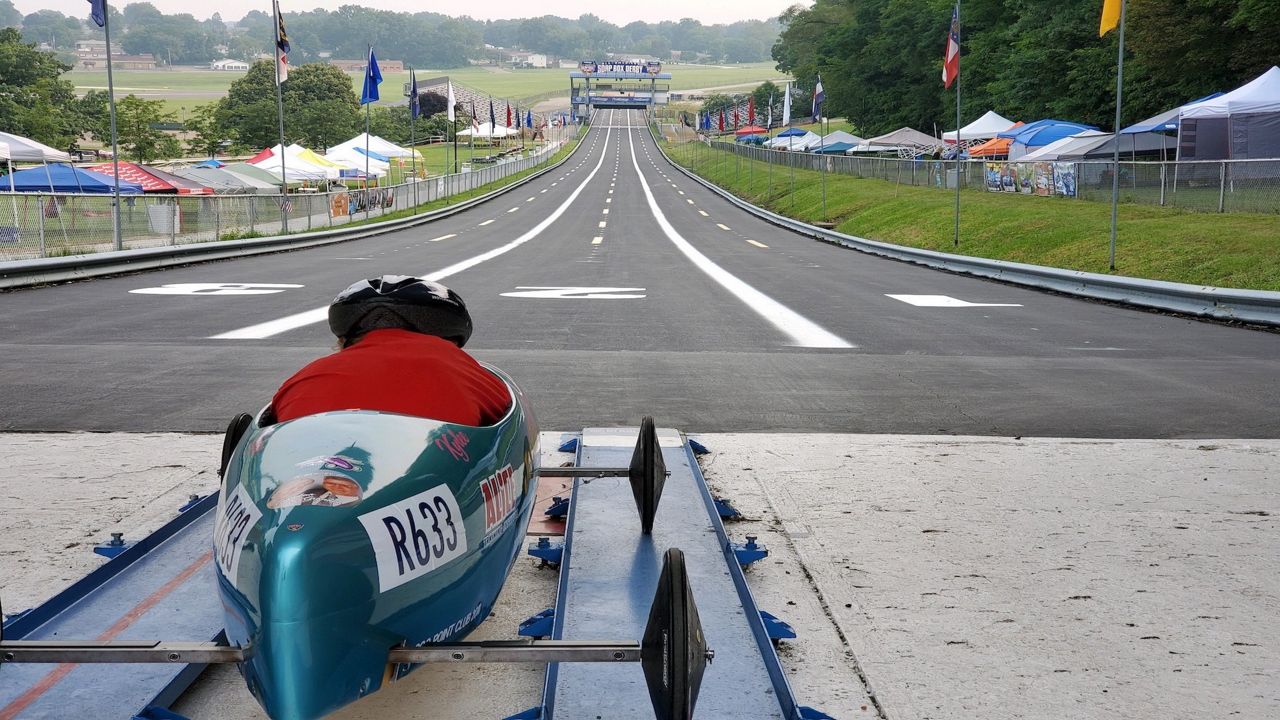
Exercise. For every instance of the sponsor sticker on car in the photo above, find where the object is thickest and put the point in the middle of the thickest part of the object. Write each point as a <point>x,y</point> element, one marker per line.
<point>415,536</point>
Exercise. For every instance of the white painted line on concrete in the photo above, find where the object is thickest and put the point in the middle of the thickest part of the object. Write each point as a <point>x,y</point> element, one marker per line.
<point>703,213</point>
<point>603,223</point>
<point>513,209</point>
<point>722,226</point>
<point>802,331</point>
<point>944,301</point>
<point>689,200</point>
<point>272,328</point>
<point>605,211</point>
<point>757,243</point>
<point>597,240</point>
<point>443,237</point>
<point>530,200</point>
<point>486,222</point>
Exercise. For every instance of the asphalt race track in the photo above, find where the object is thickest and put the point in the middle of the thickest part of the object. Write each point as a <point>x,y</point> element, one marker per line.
<point>616,287</point>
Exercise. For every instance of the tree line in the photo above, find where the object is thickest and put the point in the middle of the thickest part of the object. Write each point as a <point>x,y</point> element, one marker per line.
<point>421,39</point>
<point>881,60</point>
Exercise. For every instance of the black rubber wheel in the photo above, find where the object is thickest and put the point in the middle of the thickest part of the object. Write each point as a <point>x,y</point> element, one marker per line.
<point>235,430</point>
<point>648,473</point>
<point>673,652</point>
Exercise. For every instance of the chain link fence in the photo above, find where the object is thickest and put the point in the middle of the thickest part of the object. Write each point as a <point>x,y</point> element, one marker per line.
<point>36,225</point>
<point>1246,186</point>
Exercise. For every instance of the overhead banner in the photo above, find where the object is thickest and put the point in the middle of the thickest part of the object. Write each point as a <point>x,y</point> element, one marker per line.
<point>634,67</point>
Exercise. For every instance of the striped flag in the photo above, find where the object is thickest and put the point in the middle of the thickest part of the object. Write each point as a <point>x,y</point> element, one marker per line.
<point>951,63</point>
<point>819,96</point>
<point>282,44</point>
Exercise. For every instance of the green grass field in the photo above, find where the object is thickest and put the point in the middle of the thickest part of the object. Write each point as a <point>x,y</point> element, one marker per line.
<point>1235,250</point>
<point>189,87</point>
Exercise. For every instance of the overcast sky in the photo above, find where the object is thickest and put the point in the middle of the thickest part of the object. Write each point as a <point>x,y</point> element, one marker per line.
<point>618,13</point>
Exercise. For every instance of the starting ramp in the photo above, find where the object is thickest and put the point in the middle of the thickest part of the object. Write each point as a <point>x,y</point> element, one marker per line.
<point>608,571</point>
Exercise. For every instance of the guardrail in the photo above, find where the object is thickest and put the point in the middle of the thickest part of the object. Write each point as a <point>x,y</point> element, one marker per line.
<point>20,273</point>
<point>1260,307</point>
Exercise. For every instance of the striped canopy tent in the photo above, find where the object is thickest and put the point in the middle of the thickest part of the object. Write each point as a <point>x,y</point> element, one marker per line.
<point>153,180</point>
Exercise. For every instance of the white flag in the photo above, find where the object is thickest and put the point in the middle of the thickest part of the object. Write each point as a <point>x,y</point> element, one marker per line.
<point>786,106</point>
<point>453,116</point>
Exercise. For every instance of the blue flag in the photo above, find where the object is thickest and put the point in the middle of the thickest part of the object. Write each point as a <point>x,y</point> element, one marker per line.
<point>493,119</point>
<point>414,107</point>
<point>528,119</point>
<point>372,77</point>
<point>98,11</point>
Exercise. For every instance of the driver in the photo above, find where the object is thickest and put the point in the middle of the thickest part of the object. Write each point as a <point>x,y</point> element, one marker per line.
<point>400,344</point>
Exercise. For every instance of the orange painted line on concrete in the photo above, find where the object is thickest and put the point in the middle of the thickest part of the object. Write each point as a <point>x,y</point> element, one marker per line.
<point>10,711</point>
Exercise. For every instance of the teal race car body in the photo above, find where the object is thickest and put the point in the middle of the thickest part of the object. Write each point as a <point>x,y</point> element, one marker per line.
<point>342,535</point>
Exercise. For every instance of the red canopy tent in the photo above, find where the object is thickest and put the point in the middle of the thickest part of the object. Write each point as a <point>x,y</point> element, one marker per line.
<point>751,130</point>
<point>260,157</point>
<point>152,180</point>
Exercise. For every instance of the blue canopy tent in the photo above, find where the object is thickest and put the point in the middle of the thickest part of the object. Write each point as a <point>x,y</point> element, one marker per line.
<point>833,149</point>
<point>1166,121</point>
<point>210,163</point>
<point>69,179</point>
<point>754,139</point>
<point>373,155</point>
<point>1040,133</point>
<point>792,132</point>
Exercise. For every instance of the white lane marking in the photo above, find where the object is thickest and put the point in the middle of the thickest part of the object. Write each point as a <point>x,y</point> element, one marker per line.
<point>610,192</point>
<point>597,240</point>
<point>352,258</point>
<point>689,200</point>
<point>486,222</point>
<point>722,226</point>
<point>703,213</point>
<point>944,301</point>
<point>608,200</point>
<point>575,293</point>
<point>543,190</point>
<point>555,183</point>
<point>680,191</point>
<point>605,211</point>
<point>309,317</point>
<point>803,331</point>
<point>530,200</point>
<point>215,289</point>
<point>443,237</point>
<point>603,223</point>
<point>757,243</point>
<point>514,209</point>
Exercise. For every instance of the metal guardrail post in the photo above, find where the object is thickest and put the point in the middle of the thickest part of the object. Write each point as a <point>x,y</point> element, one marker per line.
<point>174,216</point>
<point>1222,186</point>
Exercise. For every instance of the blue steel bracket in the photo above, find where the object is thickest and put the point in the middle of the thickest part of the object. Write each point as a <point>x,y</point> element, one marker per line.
<point>778,630</point>
<point>749,551</point>
<point>192,500</point>
<point>158,713</point>
<point>808,713</point>
<point>534,713</point>
<point>570,445</point>
<point>727,511</point>
<point>539,626</point>
<point>559,507</point>
<point>112,547</point>
<point>697,447</point>
<point>550,553</point>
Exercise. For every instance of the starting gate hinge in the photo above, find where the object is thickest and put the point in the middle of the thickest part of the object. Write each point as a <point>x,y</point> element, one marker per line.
<point>777,629</point>
<point>548,551</point>
<point>749,552</point>
<point>533,713</point>
<point>559,507</point>
<point>570,445</point>
<point>808,713</point>
<point>539,625</point>
<point>112,547</point>
<point>192,500</point>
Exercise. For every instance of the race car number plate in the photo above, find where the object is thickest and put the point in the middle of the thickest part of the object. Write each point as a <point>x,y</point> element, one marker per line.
<point>415,536</point>
<point>237,515</point>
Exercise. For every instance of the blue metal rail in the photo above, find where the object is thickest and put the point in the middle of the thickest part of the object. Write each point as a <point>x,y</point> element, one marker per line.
<point>160,587</point>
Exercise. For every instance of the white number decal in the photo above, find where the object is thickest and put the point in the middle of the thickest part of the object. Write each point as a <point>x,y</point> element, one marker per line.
<point>415,536</point>
<point>215,289</point>
<point>236,516</point>
<point>588,293</point>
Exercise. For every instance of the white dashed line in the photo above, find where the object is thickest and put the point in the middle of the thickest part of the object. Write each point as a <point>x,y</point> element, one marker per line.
<point>703,213</point>
<point>603,223</point>
<point>597,240</point>
<point>722,226</point>
<point>443,237</point>
<point>757,243</point>
<point>486,222</point>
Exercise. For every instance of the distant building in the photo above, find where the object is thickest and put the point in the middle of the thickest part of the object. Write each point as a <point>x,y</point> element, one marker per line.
<point>229,64</point>
<point>358,66</point>
<point>521,58</point>
<point>120,62</point>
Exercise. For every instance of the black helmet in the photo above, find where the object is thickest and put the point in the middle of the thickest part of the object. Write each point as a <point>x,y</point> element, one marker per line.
<point>400,301</point>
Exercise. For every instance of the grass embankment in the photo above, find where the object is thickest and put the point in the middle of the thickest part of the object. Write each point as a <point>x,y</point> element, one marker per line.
<point>1235,250</point>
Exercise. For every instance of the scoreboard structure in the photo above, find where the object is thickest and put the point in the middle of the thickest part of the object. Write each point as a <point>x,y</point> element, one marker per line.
<point>618,85</point>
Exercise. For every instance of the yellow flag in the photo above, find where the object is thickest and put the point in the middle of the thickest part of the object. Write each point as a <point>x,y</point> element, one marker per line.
<point>1110,16</point>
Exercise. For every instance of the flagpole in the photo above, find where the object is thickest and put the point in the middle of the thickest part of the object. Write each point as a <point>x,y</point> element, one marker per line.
<point>284,176</point>
<point>1115,160</point>
<point>956,242</point>
<point>115,152</point>
<point>413,138</point>
<point>368,191</point>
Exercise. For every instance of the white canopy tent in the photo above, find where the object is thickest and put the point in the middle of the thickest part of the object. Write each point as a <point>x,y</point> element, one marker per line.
<point>905,137</point>
<point>840,136</point>
<point>352,158</point>
<point>1242,124</point>
<point>984,128</point>
<point>1070,147</point>
<point>795,143</point>
<point>385,148</point>
<point>488,131</point>
<point>297,169</point>
<point>27,150</point>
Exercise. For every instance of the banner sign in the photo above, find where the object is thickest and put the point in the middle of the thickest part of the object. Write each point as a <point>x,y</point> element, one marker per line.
<point>635,67</point>
<point>1040,178</point>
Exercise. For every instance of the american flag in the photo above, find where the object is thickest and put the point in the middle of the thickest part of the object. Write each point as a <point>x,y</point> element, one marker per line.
<point>951,63</point>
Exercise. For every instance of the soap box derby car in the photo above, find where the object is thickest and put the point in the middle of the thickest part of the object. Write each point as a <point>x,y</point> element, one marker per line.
<point>353,546</point>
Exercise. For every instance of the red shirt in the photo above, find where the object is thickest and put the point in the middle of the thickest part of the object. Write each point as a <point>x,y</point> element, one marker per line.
<point>397,371</point>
